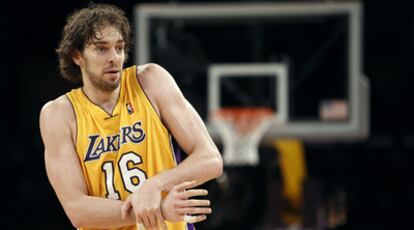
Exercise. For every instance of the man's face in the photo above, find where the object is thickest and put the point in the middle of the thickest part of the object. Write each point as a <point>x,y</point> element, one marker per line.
<point>102,59</point>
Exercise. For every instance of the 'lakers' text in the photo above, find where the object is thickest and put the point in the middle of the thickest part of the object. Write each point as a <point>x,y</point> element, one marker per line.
<point>99,145</point>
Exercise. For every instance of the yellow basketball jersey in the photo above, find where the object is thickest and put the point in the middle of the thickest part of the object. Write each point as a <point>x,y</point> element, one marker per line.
<point>119,151</point>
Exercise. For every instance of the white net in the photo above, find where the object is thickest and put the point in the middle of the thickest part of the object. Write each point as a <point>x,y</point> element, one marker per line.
<point>241,132</point>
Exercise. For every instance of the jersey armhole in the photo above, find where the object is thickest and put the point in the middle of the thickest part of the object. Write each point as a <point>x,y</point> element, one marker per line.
<point>75,142</point>
<point>149,101</point>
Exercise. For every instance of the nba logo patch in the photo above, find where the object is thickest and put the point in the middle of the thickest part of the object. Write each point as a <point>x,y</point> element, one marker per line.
<point>129,108</point>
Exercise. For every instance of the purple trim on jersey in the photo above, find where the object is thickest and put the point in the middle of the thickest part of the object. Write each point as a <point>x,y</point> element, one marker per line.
<point>178,152</point>
<point>190,226</point>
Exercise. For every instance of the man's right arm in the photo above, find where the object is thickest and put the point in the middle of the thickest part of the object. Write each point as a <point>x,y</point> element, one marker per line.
<point>57,125</point>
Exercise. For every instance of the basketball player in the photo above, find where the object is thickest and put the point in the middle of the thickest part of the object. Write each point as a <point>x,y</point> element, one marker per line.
<point>112,145</point>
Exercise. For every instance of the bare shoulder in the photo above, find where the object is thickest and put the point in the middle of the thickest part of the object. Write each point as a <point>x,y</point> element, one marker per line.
<point>159,86</point>
<point>56,114</point>
<point>152,72</point>
<point>156,81</point>
<point>57,108</point>
<point>150,68</point>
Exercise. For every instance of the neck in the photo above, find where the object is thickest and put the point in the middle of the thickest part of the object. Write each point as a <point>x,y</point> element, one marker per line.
<point>105,99</point>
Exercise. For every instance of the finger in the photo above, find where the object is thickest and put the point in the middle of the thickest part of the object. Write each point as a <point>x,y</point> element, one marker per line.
<point>161,221</point>
<point>185,185</point>
<point>153,220</point>
<point>194,210</point>
<point>139,221</point>
<point>124,209</point>
<point>194,202</point>
<point>193,192</point>
<point>194,219</point>
<point>138,216</point>
<point>145,221</point>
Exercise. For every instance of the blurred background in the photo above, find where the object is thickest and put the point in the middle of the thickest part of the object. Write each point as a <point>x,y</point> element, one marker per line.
<point>362,183</point>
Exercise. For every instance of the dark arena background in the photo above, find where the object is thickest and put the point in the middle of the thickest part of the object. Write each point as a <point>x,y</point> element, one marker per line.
<point>366,183</point>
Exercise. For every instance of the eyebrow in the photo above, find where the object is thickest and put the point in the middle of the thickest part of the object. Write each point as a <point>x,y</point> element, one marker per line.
<point>100,42</point>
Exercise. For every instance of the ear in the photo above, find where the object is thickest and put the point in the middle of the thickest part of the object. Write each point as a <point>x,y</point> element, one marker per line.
<point>77,57</point>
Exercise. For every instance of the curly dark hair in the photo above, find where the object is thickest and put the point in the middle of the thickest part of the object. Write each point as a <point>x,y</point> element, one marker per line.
<point>80,29</point>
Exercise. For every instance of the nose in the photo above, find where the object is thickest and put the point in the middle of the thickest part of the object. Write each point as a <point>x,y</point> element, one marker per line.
<point>114,56</point>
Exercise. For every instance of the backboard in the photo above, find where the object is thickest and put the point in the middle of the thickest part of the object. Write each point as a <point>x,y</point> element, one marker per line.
<point>325,96</point>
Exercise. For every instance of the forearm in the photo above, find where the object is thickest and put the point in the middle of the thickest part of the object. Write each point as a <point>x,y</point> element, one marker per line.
<point>197,166</point>
<point>97,212</point>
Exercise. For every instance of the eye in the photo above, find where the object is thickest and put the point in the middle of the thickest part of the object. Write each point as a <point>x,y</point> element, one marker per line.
<point>120,49</point>
<point>100,49</point>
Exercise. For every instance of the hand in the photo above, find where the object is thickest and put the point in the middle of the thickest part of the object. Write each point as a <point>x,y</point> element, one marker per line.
<point>146,204</point>
<point>176,204</point>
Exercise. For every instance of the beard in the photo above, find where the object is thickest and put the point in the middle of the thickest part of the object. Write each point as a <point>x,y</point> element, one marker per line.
<point>99,82</point>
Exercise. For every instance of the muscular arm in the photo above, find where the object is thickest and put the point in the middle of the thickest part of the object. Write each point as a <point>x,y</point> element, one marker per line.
<point>57,125</point>
<point>204,161</point>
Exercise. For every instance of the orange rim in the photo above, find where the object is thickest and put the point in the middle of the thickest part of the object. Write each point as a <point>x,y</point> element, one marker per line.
<point>244,119</point>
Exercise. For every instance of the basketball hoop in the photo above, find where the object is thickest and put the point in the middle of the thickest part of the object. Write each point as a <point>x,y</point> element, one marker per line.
<point>241,129</point>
